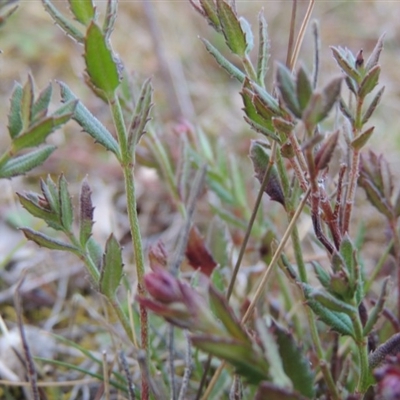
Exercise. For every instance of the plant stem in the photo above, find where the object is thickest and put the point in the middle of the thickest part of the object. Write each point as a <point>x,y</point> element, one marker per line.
<point>127,163</point>
<point>248,66</point>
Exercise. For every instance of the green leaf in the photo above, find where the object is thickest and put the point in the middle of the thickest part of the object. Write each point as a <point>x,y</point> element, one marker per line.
<point>83,10</point>
<point>372,106</point>
<point>321,104</point>
<point>321,274</point>
<point>376,311</point>
<point>331,302</point>
<point>47,241</point>
<point>218,241</point>
<point>95,252</point>
<point>27,102</point>
<point>246,28</point>
<point>373,59</point>
<point>86,213</point>
<point>338,321</point>
<point>225,314</point>
<point>63,22</point>
<point>67,212</point>
<point>14,117</point>
<point>303,88</point>
<point>38,133</point>
<point>342,59</point>
<point>361,140</point>
<point>22,164</point>
<point>100,64</point>
<point>37,211</point>
<point>260,128</point>
<point>141,115</point>
<point>223,62</point>
<point>90,123</point>
<point>295,363</point>
<point>231,27</point>
<point>51,193</point>
<point>209,11</point>
<point>41,105</point>
<point>263,48</point>
<point>111,272</point>
<point>287,89</point>
<point>246,360</point>
<point>369,82</point>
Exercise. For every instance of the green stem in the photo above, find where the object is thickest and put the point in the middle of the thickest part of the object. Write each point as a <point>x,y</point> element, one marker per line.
<point>250,71</point>
<point>127,163</point>
<point>362,348</point>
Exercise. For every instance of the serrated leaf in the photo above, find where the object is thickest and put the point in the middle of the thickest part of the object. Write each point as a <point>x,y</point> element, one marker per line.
<point>263,48</point>
<point>38,133</point>
<point>223,62</point>
<point>246,361</point>
<point>83,10</point>
<point>86,213</point>
<point>373,59</point>
<point>338,321</point>
<point>361,140</point>
<point>235,37</point>
<point>347,250</point>
<point>248,34</point>
<point>295,364</point>
<point>283,126</point>
<point>63,22</point>
<point>303,88</point>
<point>100,64</point>
<point>287,89</point>
<point>331,302</point>
<point>111,16</point>
<point>325,152</point>
<point>22,164</point>
<point>349,69</point>
<point>14,116</point>
<point>27,102</point>
<point>39,212</point>
<point>51,193</point>
<point>372,106</point>
<point>41,105</point>
<point>67,212</point>
<point>262,129</point>
<point>47,241</point>
<point>210,12</point>
<point>90,123</point>
<point>369,82</point>
<point>111,272</point>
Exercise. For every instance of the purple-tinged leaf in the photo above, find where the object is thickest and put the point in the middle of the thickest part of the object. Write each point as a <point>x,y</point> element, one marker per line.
<point>372,106</point>
<point>325,152</point>
<point>287,90</point>
<point>267,390</point>
<point>373,59</point>
<point>390,348</point>
<point>342,58</point>
<point>47,241</point>
<point>86,213</point>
